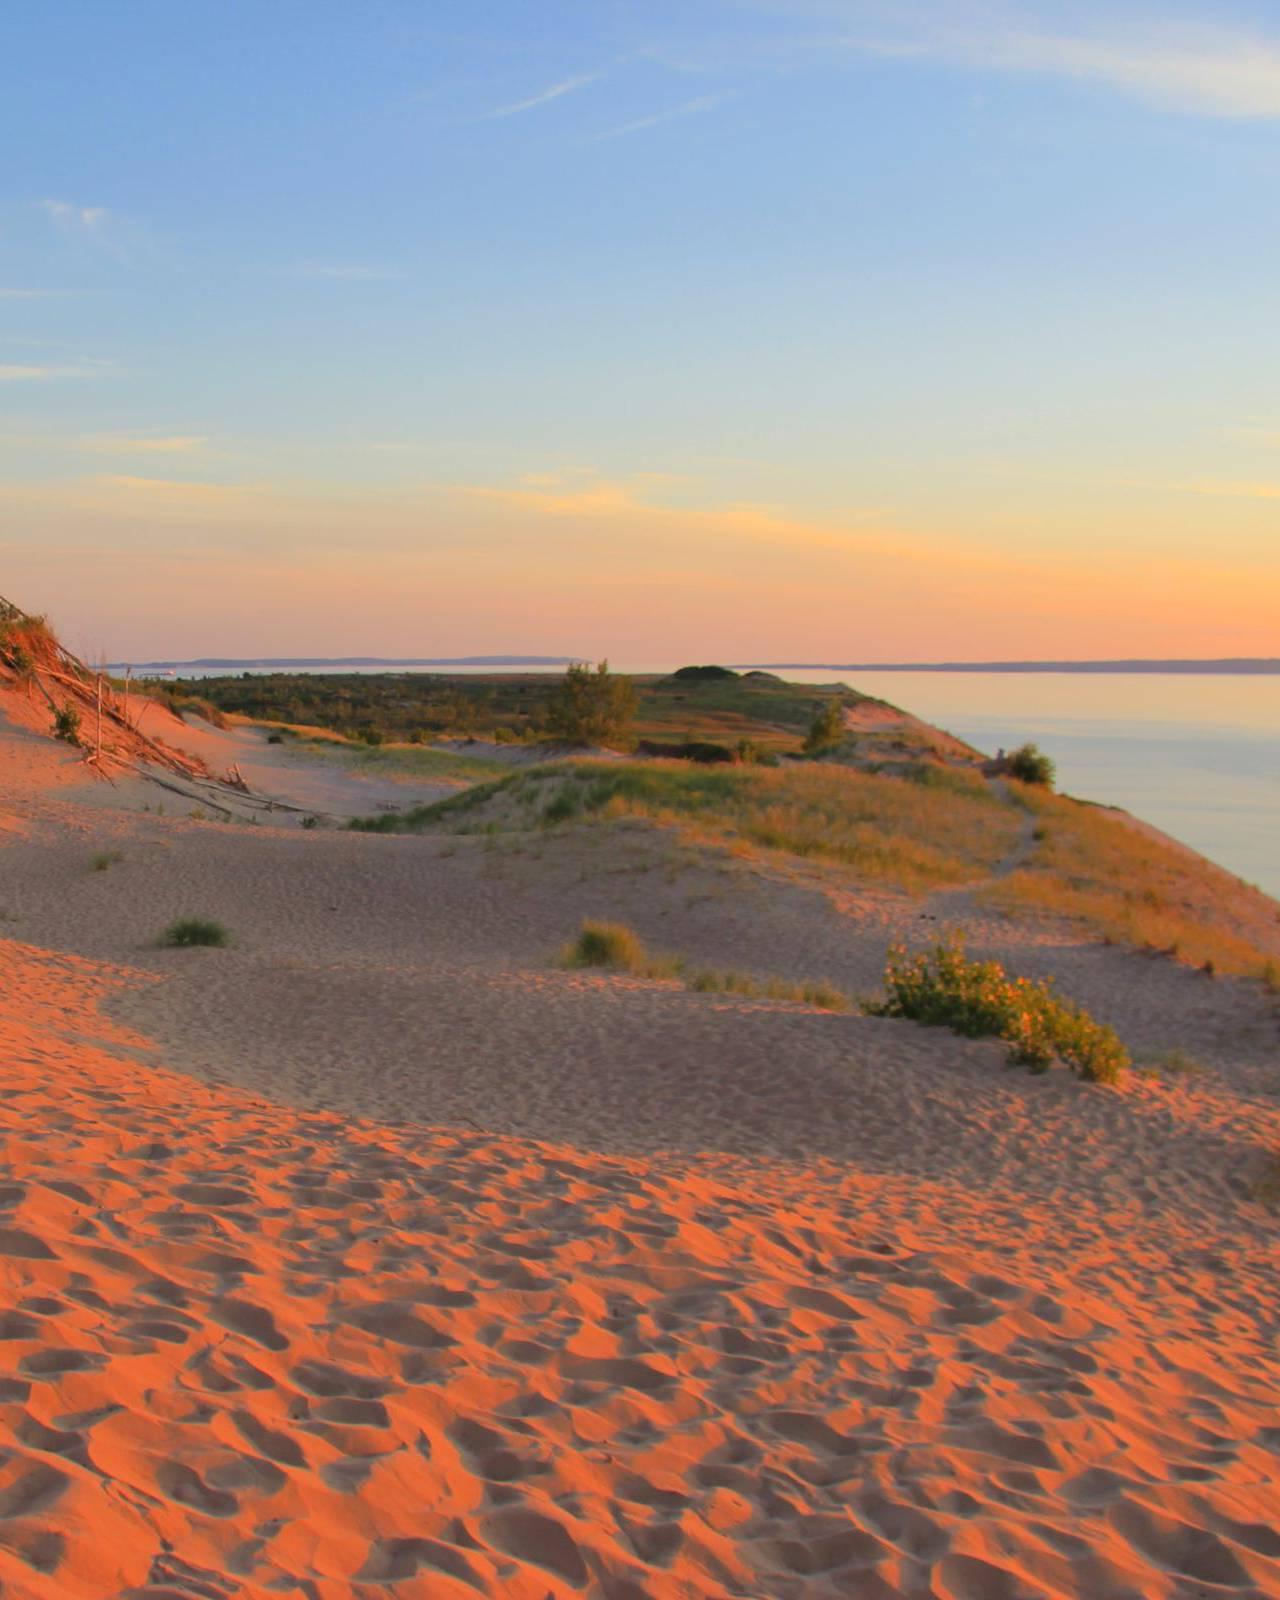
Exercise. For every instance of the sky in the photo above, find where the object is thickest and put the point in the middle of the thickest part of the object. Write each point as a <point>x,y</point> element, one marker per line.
<point>651,329</point>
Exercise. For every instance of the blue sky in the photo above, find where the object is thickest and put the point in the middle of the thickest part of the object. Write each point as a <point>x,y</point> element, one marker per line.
<point>789,329</point>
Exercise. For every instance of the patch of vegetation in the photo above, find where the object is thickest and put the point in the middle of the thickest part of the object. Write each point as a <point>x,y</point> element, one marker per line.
<point>409,761</point>
<point>105,860</point>
<point>906,835</point>
<point>827,728</point>
<point>701,750</point>
<point>1175,1063</point>
<point>189,932</point>
<point>618,948</point>
<point>1029,764</point>
<point>942,987</point>
<point>1121,882</point>
<point>607,944</point>
<point>821,995</point>
<point>66,724</point>
<point>697,705</point>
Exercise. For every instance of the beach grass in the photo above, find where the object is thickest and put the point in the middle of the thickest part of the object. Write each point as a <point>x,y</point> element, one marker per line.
<point>913,836</point>
<point>1119,881</point>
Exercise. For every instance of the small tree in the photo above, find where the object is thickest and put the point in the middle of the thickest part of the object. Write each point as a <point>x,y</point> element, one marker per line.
<point>827,728</point>
<point>592,706</point>
<point>1029,764</point>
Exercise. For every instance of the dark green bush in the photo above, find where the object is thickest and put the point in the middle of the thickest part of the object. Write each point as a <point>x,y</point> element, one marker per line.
<point>191,931</point>
<point>1029,764</point>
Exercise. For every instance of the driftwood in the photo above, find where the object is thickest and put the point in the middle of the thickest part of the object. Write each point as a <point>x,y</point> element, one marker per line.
<point>116,738</point>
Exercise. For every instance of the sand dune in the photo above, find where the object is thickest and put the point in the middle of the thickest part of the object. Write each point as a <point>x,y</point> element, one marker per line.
<point>375,1255</point>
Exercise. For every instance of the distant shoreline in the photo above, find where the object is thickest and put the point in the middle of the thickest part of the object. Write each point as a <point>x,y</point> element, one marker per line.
<point>283,663</point>
<point>1240,666</point>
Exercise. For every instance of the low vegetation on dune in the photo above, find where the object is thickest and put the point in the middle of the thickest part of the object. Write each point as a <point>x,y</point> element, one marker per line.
<point>617,948</point>
<point>189,932</point>
<point>1119,880</point>
<point>912,835</point>
<point>943,987</point>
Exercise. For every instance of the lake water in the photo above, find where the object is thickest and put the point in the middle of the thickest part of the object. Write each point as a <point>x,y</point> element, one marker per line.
<point>1198,756</point>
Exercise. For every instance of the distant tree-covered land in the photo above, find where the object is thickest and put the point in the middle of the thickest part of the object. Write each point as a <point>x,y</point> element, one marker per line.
<point>706,706</point>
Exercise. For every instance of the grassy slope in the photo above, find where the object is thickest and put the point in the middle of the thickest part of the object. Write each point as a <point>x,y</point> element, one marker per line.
<point>936,828</point>
<point>775,715</point>
<point>1099,869</point>
<point>911,835</point>
<point>396,760</point>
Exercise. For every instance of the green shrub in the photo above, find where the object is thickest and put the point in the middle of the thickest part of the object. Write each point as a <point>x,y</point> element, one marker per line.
<point>190,931</point>
<point>826,729</point>
<point>979,999</point>
<point>1029,764</point>
<point>105,859</point>
<point>66,724</point>
<point>563,808</point>
<point>607,944</point>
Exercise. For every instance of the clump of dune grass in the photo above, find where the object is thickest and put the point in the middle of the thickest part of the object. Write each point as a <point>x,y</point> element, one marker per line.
<point>1175,1063</point>
<point>821,995</point>
<point>979,999</point>
<point>188,932</point>
<point>617,948</point>
<point>105,860</point>
<point>620,949</point>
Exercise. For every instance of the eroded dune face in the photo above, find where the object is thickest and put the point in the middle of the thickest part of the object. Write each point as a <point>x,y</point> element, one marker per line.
<point>248,1349</point>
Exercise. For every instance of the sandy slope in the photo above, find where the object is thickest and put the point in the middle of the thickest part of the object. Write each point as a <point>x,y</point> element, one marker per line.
<point>627,1292</point>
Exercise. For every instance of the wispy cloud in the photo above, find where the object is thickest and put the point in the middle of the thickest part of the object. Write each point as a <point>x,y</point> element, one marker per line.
<point>347,272</point>
<point>154,444</point>
<point>94,227</point>
<point>1237,491</point>
<point>24,294</point>
<point>1204,68</point>
<point>690,108</point>
<point>565,86</point>
<point>23,372</point>
<point>176,489</point>
<point>75,219</point>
